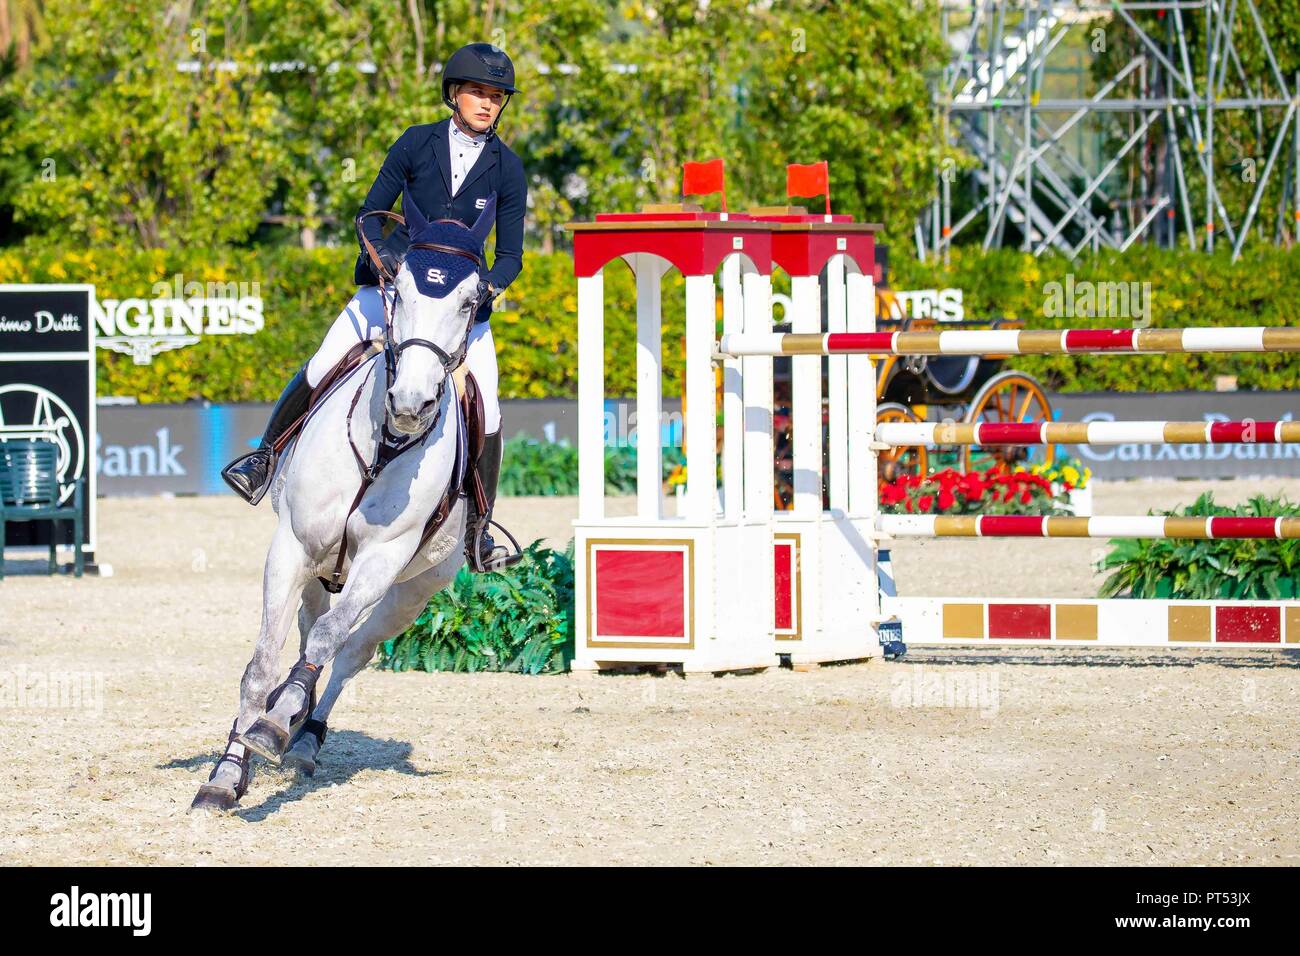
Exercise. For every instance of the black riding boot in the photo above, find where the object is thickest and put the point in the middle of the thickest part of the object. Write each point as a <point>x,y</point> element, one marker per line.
<point>482,553</point>
<point>250,475</point>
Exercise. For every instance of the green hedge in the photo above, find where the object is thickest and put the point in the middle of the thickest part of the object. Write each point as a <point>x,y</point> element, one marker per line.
<point>536,324</point>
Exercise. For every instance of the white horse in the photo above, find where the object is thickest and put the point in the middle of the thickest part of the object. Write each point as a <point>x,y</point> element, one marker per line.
<point>389,576</point>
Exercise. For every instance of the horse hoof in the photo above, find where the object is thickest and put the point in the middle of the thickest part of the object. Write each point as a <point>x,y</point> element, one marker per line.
<point>265,739</point>
<point>214,799</point>
<point>301,760</point>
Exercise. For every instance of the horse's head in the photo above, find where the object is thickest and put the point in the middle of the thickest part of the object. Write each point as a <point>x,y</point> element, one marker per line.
<point>437,297</point>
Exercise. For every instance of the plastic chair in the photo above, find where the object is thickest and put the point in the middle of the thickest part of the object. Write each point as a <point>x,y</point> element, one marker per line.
<point>29,491</point>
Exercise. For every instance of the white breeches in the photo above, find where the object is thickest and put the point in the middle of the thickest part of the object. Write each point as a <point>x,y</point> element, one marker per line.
<point>363,318</point>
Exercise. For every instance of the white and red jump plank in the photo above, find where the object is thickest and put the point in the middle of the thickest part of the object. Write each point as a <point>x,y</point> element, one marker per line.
<point>1014,342</point>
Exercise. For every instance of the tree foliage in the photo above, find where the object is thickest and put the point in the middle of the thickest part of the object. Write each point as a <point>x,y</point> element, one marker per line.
<point>236,122</point>
<point>133,147</point>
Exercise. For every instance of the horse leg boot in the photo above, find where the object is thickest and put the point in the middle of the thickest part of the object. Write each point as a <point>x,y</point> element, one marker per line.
<point>310,735</point>
<point>395,613</point>
<point>482,553</point>
<point>373,573</point>
<point>268,738</point>
<point>213,795</point>
<point>250,475</point>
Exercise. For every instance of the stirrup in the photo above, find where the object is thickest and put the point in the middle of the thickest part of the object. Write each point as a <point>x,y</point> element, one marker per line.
<point>475,555</point>
<point>252,495</point>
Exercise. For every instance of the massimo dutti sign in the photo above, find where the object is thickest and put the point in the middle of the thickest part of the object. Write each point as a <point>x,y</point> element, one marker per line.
<point>47,392</point>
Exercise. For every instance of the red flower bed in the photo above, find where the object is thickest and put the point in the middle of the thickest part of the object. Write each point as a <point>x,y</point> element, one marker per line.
<point>994,492</point>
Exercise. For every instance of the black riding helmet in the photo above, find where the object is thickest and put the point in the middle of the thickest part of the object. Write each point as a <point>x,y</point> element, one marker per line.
<point>479,63</point>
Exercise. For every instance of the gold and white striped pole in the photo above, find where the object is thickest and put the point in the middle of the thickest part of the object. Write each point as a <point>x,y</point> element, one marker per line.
<point>1086,433</point>
<point>1115,526</point>
<point>1015,342</point>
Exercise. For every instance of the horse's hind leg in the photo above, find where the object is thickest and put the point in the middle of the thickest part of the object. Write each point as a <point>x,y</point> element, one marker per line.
<point>315,602</point>
<point>394,614</point>
<point>282,581</point>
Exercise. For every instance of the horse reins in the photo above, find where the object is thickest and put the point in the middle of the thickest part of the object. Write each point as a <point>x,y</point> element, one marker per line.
<point>390,446</point>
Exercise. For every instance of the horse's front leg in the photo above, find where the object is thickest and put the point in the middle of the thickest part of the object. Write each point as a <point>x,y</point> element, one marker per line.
<point>394,614</point>
<point>370,577</point>
<point>285,573</point>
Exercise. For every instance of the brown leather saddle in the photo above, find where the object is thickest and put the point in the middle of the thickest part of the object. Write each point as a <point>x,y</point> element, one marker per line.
<point>467,450</point>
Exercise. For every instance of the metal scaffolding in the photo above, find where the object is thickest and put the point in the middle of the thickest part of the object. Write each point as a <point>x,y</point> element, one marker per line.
<point>1036,184</point>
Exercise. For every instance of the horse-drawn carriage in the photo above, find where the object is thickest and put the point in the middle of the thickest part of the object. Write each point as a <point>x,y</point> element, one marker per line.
<point>957,388</point>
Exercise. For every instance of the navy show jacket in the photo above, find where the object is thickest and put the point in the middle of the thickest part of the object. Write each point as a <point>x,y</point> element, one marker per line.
<point>418,167</point>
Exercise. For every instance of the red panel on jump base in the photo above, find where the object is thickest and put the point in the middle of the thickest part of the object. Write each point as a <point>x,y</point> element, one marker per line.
<point>1032,622</point>
<point>640,593</point>
<point>1248,625</point>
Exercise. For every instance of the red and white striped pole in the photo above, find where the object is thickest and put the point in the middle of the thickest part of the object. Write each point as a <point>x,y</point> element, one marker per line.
<point>1013,342</point>
<point>1115,526</point>
<point>1086,433</point>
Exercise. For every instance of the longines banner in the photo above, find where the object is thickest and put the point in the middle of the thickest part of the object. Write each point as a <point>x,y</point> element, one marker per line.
<point>177,315</point>
<point>47,389</point>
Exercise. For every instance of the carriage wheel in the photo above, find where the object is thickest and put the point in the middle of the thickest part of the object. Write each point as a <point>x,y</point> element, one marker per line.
<point>903,459</point>
<point>1008,397</point>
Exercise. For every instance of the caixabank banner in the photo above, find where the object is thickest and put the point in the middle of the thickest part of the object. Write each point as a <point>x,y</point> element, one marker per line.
<point>47,391</point>
<point>157,449</point>
<point>1165,460</point>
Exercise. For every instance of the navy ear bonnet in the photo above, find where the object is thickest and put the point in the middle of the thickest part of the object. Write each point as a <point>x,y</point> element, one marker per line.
<point>436,272</point>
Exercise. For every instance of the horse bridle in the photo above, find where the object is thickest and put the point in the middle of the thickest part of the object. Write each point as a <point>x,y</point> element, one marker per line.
<point>392,352</point>
<point>390,446</point>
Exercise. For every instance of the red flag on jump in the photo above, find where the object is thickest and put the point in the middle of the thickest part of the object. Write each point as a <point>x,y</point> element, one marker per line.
<point>811,180</point>
<point>701,179</point>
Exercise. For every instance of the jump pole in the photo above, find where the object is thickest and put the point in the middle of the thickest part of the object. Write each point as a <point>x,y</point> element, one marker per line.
<point>1113,622</point>
<point>1018,342</point>
<point>1108,526</point>
<point>1086,433</point>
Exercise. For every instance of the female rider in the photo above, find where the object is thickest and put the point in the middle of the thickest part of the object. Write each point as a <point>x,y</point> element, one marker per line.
<point>448,169</point>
